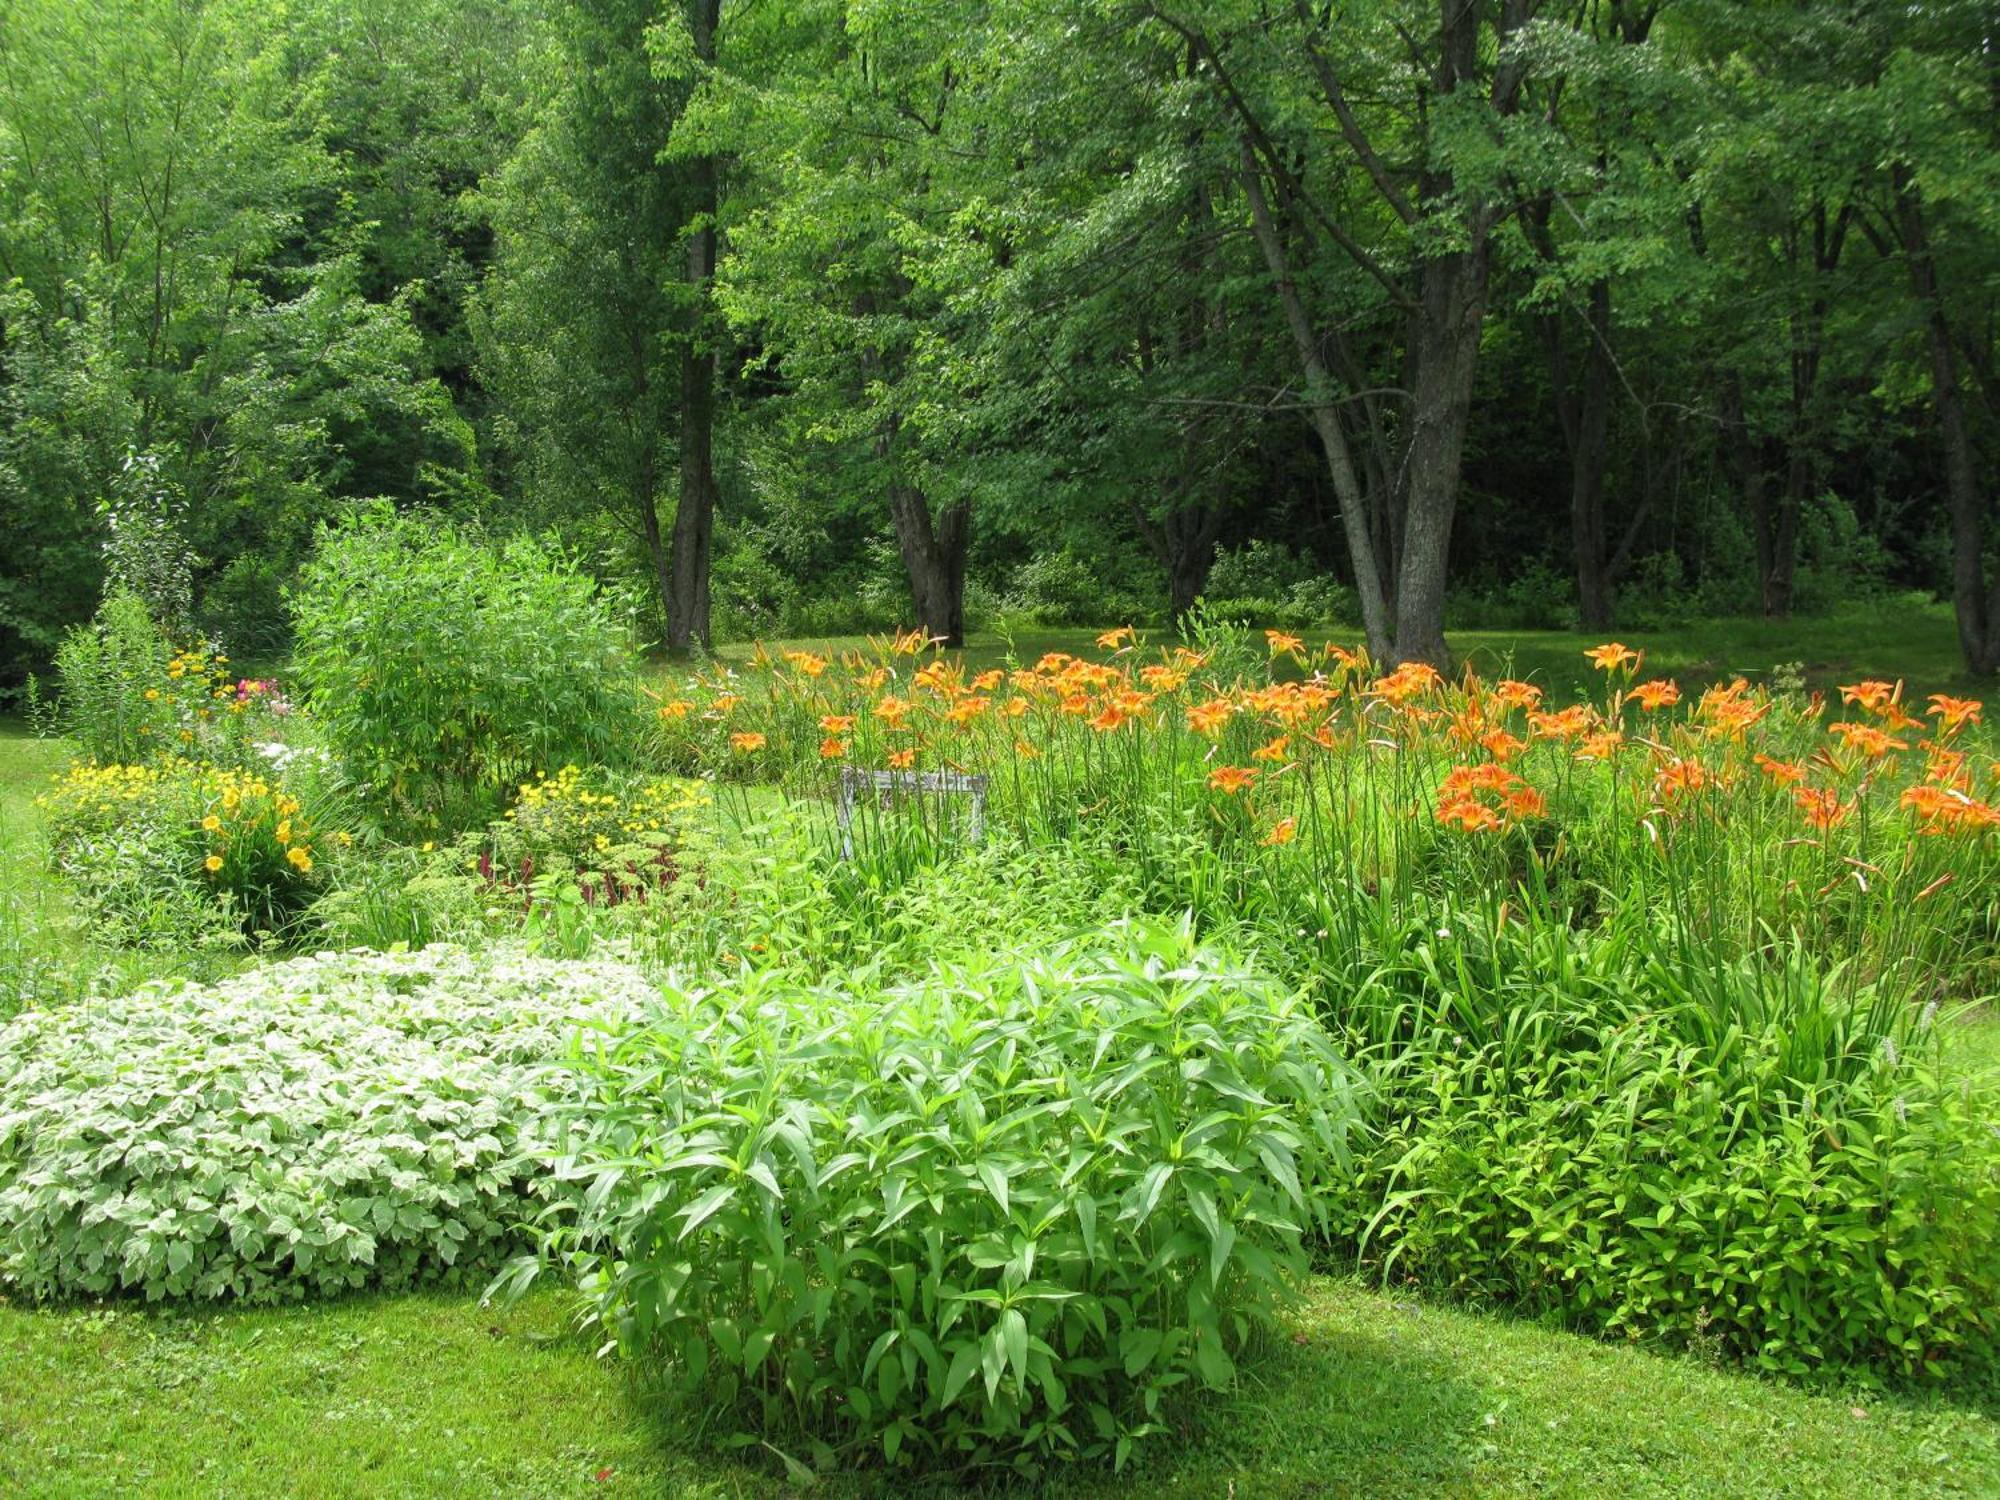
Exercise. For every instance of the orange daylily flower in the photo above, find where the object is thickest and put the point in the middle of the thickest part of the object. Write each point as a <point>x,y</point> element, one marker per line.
<point>1865,738</point>
<point>902,760</point>
<point>1781,771</point>
<point>1274,751</point>
<point>746,741</point>
<point>1821,806</point>
<point>1871,696</point>
<point>836,723</point>
<point>1656,694</point>
<point>832,747</point>
<point>1679,778</point>
<point>807,662</point>
<point>1279,642</point>
<point>1208,718</point>
<point>1564,724</point>
<point>1282,832</point>
<point>1613,657</point>
<point>1231,779</point>
<point>1601,745</point>
<point>1111,640</point>
<point>1954,713</point>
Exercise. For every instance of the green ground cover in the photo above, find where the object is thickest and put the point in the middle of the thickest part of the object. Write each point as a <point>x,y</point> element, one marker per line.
<point>1372,1395</point>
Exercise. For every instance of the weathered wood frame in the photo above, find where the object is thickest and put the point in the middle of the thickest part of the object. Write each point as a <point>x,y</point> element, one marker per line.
<point>937,783</point>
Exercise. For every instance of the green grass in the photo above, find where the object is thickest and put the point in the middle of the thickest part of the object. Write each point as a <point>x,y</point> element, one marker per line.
<point>1904,637</point>
<point>431,1395</point>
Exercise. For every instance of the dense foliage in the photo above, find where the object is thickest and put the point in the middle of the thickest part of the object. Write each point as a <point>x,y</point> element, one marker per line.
<point>443,669</point>
<point>997,1216</point>
<point>313,1126</point>
<point>833,316</point>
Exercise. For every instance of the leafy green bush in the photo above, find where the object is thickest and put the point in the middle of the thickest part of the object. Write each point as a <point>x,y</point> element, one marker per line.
<point>105,669</point>
<point>327,1123</point>
<point>443,668</point>
<point>128,695</point>
<point>993,1217</point>
<point>1759,1158</point>
<point>183,852</point>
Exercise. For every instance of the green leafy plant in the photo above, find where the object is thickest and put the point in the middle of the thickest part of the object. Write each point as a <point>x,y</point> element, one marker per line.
<point>310,1127</point>
<point>1756,1158</point>
<point>183,851</point>
<point>104,670</point>
<point>993,1217</point>
<point>443,669</point>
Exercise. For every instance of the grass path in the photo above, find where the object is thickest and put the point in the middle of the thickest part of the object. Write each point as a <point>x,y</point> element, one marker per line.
<point>433,1396</point>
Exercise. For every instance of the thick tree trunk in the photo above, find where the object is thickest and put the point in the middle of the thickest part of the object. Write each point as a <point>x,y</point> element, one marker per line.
<point>694,518</point>
<point>645,484</point>
<point>1183,543</point>
<point>934,557</point>
<point>1445,333</point>
<point>1975,601</point>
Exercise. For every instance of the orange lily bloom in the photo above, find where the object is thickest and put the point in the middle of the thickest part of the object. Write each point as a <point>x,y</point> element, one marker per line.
<point>1231,779</point>
<point>1656,694</point>
<point>1954,713</point>
<point>1613,657</point>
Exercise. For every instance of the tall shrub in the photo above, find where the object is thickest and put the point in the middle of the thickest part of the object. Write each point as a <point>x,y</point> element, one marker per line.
<point>444,667</point>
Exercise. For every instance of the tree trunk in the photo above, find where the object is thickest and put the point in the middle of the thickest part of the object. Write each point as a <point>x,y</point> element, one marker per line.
<point>934,557</point>
<point>1975,602</point>
<point>1183,543</point>
<point>1444,330</point>
<point>694,518</point>
<point>1584,406</point>
<point>645,483</point>
<point>1325,415</point>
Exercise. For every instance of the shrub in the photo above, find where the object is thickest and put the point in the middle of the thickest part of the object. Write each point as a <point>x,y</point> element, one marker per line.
<point>128,695</point>
<point>179,850</point>
<point>105,670</point>
<point>443,669</point>
<point>309,1127</point>
<point>1759,1158</point>
<point>993,1217</point>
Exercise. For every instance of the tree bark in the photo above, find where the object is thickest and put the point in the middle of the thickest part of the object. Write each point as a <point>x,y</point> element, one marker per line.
<point>1444,333</point>
<point>1583,406</point>
<point>1325,415</point>
<point>1975,601</point>
<point>934,556</point>
<point>694,517</point>
<point>1183,543</point>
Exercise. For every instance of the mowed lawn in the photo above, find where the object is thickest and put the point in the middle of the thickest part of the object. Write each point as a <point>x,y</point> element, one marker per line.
<point>1370,1393</point>
<point>1894,638</point>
